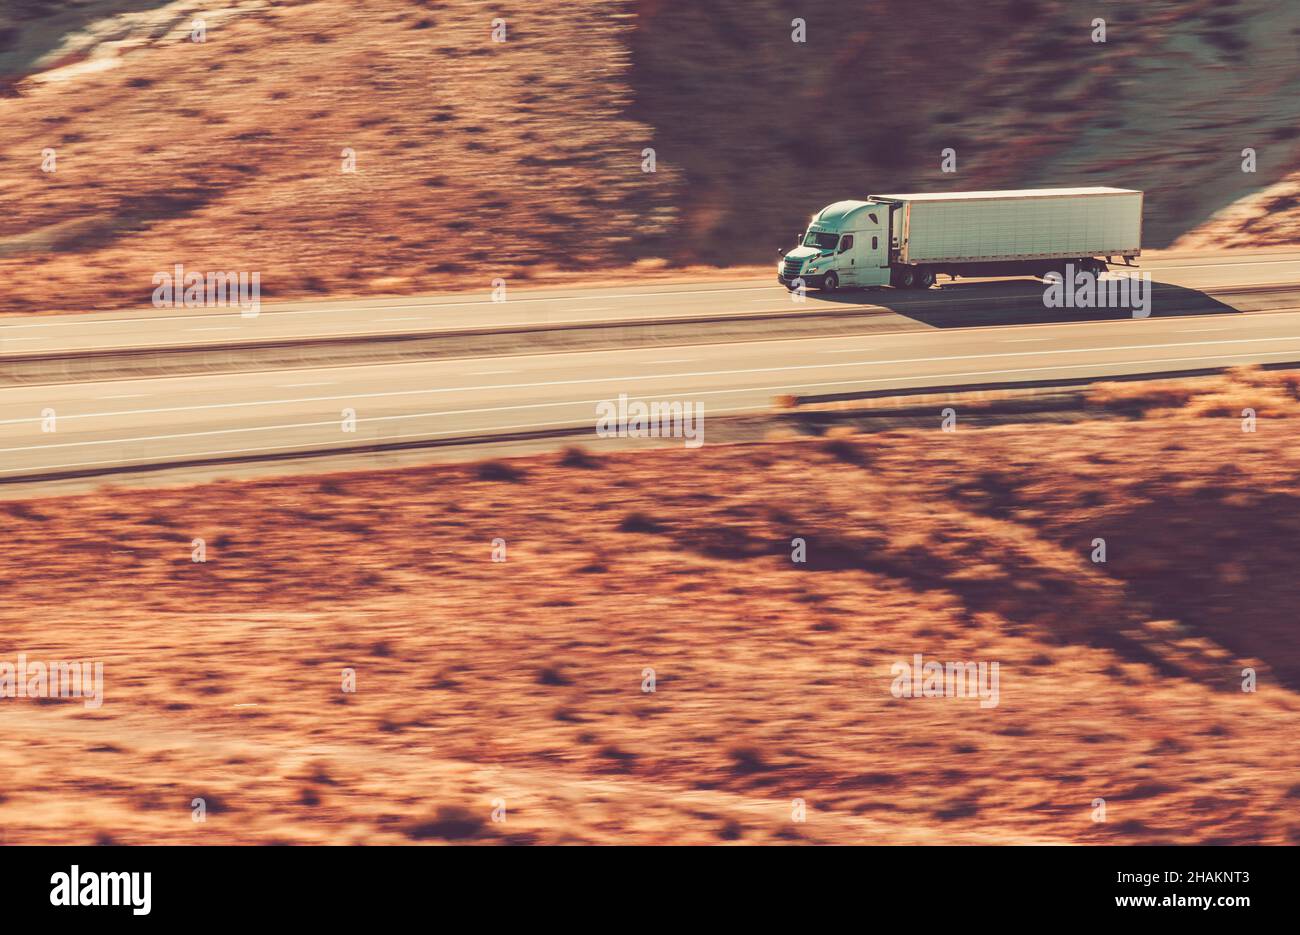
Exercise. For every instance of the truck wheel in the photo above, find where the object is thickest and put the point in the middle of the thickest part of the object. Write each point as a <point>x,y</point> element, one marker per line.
<point>905,277</point>
<point>830,283</point>
<point>924,278</point>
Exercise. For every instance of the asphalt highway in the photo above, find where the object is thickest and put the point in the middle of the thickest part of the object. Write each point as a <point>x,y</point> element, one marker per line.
<point>1188,276</point>
<point>90,427</point>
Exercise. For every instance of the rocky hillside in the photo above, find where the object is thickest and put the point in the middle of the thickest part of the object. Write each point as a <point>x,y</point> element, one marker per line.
<point>1017,89</point>
<point>130,147</point>
<point>1270,217</point>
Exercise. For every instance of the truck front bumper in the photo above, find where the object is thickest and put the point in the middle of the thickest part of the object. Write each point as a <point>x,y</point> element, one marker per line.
<point>811,281</point>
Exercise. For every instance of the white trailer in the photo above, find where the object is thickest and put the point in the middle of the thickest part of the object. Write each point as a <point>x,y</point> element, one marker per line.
<point>993,233</point>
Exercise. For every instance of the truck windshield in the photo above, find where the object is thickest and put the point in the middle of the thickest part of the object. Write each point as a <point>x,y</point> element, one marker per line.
<point>821,241</point>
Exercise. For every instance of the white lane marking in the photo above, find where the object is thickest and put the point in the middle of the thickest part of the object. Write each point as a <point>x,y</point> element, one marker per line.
<point>666,319</point>
<point>587,402</point>
<point>488,301</point>
<point>484,373</point>
<point>1121,267</point>
<point>657,376</point>
<point>906,334</point>
<point>342,451</point>
<point>415,318</point>
<point>288,386</point>
<point>672,360</point>
<point>540,321</point>
<point>1024,340</point>
<point>1196,330</point>
<point>383,308</point>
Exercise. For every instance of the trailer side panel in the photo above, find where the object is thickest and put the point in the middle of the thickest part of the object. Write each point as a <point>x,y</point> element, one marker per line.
<point>1020,227</point>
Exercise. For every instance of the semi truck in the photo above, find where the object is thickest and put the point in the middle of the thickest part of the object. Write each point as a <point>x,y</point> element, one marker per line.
<point>906,240</point>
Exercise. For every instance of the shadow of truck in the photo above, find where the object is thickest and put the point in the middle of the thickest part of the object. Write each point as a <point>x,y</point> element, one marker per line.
<point>1022,302</point>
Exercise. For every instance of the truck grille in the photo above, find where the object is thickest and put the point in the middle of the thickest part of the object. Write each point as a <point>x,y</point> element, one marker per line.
<point>792,268</point>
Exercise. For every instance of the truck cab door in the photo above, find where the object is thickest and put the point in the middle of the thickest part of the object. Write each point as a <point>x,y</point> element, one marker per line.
<point>847,260</point>
<point>872,244</point>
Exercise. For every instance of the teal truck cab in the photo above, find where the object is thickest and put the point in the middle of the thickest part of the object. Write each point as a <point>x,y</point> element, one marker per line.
<point>846,244</point>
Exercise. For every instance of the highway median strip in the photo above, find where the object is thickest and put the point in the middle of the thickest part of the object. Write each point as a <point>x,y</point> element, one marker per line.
<point>230,356</point>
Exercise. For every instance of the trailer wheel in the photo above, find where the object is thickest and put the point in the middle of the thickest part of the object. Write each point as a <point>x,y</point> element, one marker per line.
<point>831,282</point>
<point>924,278</point>
<point>905,277</point>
